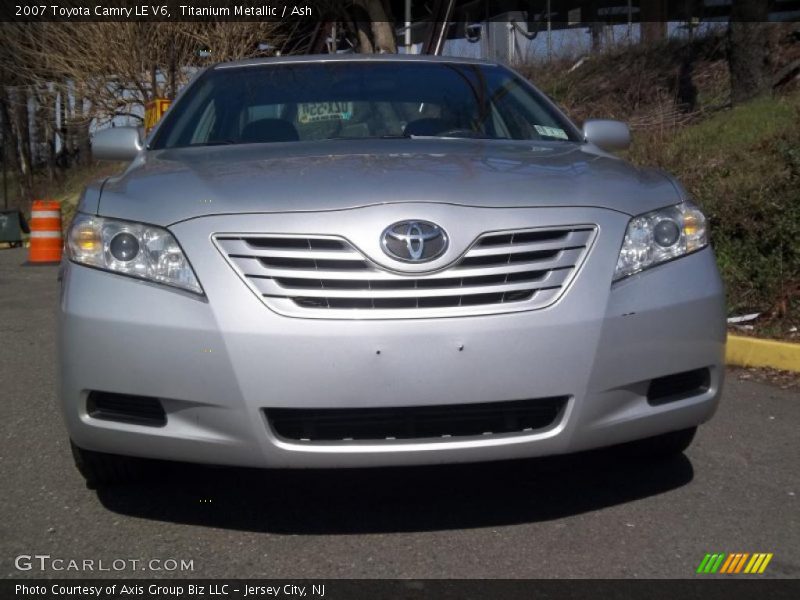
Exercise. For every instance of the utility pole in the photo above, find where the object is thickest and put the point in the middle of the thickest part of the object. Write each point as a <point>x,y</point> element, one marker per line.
<point>549,34</point>
<point>5,170</point>
<point>630,20</point>
<point>173,80</point>
<point>408,27</point>
<point>5,176</point>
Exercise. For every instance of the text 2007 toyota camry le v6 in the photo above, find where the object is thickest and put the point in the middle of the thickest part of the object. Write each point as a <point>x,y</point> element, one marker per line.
<point>340,262</point>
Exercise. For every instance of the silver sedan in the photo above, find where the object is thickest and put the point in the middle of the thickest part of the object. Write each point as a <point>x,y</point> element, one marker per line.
<point>348,261</point>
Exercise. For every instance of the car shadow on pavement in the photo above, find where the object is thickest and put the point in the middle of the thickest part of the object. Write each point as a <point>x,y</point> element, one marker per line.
<point>356,501</point>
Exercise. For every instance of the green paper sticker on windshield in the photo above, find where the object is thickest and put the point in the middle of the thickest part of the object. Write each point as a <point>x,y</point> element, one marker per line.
<point>553,132</point>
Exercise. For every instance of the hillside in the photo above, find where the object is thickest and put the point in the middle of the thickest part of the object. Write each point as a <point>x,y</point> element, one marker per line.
<point>741,165</point>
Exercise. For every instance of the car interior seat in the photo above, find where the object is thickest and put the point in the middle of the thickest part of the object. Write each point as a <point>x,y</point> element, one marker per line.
<point>269,130</point>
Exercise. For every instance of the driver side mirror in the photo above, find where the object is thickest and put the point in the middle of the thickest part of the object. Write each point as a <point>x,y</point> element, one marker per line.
<point>606,134</point>
<point>117,143</point>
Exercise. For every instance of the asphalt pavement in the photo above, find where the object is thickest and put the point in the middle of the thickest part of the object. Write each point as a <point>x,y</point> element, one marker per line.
<point>735,490</point>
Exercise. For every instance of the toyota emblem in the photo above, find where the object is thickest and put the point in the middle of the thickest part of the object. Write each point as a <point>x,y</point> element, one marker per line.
<point>414,241</point>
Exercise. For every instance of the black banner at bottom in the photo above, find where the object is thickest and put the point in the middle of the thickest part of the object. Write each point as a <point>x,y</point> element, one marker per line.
<point>400,589</point>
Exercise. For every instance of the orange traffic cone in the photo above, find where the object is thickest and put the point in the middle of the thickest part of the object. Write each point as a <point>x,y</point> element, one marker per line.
<point>45,227</point>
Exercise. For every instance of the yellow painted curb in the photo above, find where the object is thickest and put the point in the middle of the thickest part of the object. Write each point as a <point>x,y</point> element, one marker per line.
<point>753,352</point>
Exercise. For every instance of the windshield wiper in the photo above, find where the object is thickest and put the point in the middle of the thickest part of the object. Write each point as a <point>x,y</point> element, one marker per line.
<point>216,143</point>
<point>388,136</point>
<point>458,133</point>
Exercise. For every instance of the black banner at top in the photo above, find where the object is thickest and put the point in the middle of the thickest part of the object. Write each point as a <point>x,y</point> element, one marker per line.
<point>32,11</point>
<point>562,13</point>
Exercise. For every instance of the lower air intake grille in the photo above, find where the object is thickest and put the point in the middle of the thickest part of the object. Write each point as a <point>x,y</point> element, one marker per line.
<point>414,422</point>
<point>678,386</point>
<point>139,410</point>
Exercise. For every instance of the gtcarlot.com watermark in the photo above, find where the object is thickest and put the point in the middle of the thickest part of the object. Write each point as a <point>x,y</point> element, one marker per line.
<point>48,563</point>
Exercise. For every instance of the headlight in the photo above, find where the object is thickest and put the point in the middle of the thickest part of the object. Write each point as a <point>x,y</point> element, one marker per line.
<point>129,248</point>
<point>659,236</point>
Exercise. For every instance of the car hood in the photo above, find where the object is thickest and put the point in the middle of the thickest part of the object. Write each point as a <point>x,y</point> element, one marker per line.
<point>167,186</point>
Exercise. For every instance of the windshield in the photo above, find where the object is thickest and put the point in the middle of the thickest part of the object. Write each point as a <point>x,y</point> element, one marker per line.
<point>345,100</point>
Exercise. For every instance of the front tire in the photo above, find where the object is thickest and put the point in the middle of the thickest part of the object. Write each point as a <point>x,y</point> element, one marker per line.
<point>100,469</point>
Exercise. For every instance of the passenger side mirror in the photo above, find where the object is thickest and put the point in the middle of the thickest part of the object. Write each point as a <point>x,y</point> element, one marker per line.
<point>117,143</point>
<point>606,134</point>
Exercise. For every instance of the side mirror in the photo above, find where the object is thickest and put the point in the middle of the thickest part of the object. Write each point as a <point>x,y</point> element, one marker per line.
<point>606,134</point>
<point>117,143</point>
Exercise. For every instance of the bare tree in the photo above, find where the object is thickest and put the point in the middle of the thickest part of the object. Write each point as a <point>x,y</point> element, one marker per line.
<point>367,25</point>
<point>654,20</point>
<point>749,47</point>
<point>70,75</point>
<point>383,39</point>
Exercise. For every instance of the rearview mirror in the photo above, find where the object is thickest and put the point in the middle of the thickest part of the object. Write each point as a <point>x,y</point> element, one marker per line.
<point>606,134</point>
<point>117,143</point>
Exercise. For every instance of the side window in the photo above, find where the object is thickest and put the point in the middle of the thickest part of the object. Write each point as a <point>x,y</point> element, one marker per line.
<point>524,119</point>
<point>205,126</point>
<point>515,118</point>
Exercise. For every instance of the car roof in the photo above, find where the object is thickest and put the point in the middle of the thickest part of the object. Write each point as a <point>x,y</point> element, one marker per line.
<point>343,58</point>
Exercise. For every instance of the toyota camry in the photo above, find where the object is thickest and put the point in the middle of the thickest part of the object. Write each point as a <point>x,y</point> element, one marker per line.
<point>344,261</point>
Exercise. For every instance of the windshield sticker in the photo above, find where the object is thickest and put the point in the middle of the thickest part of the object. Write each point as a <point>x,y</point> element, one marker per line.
<point>312,112</point>
<point>554,132</point>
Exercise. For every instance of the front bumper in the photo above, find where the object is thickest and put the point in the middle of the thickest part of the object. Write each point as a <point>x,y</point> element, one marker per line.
<point>217,361</point>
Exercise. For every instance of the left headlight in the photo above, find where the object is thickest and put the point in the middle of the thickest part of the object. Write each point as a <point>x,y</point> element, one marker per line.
<point>129,248</point>
<point>659,236</point>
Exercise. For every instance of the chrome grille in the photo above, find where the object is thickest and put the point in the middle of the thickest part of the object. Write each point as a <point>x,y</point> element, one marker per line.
<point>327,277</point>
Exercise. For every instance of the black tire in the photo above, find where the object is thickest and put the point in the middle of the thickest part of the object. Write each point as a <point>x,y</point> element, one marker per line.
<point>662,446</point>
<point>100,469</point>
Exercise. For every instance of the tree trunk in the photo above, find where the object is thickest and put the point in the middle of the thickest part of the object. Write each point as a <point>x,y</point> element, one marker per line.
<point>9,139</point>
<point>381,36</point>
<point>384,35</point>
<point>10,155</point>
<point>173,82</point>
<point>20,120</point>
<point>46,95</point>
<point>364,40</point>
<point>83,142</point>
<point>63,131</point>
<point>654,21</point>
<point>749,49</point>
<point>80,131</point>
<point>154,82</point>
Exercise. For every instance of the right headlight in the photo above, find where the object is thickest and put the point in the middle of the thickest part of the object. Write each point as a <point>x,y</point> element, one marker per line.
<point>659,236</point>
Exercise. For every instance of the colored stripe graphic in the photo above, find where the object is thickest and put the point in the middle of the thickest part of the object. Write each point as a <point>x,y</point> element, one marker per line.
<point>731,565</point>
<point>764,564</point>
<point>727,564</point>
<point>717,563</point>
<point>703,563</point>
<point>740,564</point>
<point>711,563</point>
<point>735,563</point>
<point>756,559</point>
